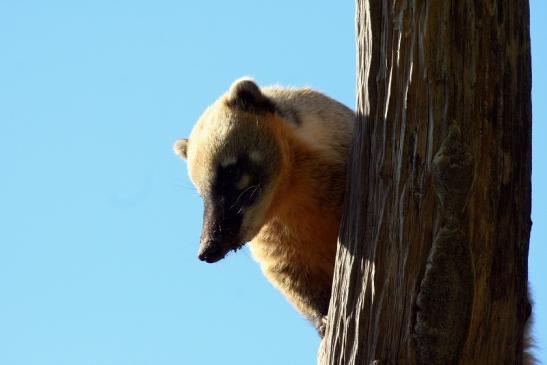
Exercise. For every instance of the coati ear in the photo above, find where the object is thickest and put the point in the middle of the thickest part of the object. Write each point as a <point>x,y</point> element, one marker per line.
<point>245,95</point>
<point>180,148</point>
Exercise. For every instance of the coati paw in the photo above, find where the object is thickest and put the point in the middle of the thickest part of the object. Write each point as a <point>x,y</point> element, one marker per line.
<point>322,326</point>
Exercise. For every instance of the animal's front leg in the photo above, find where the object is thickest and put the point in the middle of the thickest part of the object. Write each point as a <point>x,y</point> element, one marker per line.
<point>321,325</point>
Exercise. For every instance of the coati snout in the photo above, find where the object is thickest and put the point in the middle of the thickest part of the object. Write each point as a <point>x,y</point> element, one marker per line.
<point>221,230</point>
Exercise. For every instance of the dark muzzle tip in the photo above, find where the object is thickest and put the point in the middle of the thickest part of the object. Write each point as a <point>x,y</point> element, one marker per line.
<point>210,256</point>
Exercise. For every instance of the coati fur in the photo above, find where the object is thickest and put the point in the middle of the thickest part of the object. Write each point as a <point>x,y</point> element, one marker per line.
<point>270,165</point>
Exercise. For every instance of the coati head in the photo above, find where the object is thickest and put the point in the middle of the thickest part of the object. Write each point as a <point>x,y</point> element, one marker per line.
<point>234,158</point>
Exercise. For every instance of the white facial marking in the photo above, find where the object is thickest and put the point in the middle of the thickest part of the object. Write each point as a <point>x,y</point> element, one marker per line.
<point>255,156</point>
<point>244,181</point>
<point>228,161</point>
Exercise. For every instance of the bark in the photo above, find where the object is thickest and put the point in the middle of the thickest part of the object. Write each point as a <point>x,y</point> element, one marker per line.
<point>432,262</point>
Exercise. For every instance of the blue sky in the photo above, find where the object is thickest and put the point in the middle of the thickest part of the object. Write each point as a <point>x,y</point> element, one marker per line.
<point>100,224</point>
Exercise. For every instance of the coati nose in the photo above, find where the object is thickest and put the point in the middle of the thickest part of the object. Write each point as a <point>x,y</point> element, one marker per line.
<point>210,254</point>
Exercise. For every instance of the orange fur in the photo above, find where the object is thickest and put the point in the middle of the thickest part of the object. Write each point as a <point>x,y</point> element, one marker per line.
<point>297,245</point>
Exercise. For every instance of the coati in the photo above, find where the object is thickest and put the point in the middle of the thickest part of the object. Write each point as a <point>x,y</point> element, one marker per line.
<point>270,166</point>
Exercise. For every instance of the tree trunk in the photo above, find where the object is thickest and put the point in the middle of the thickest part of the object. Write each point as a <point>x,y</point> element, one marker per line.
<point>432,258</point>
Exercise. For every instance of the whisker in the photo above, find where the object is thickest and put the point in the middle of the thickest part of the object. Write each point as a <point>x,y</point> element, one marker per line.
<point>255,190</point>
<point>255,187</point>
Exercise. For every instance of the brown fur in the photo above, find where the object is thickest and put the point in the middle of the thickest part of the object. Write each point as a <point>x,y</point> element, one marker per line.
<point>297,246</point>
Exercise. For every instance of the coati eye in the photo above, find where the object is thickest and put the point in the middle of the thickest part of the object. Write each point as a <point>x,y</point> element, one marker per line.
<point>228,177</point>
<point>231,171</point>
<point>237,180</point>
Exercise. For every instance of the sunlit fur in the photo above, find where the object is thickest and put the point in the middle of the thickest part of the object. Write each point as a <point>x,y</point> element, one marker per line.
<point>293,226</point>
